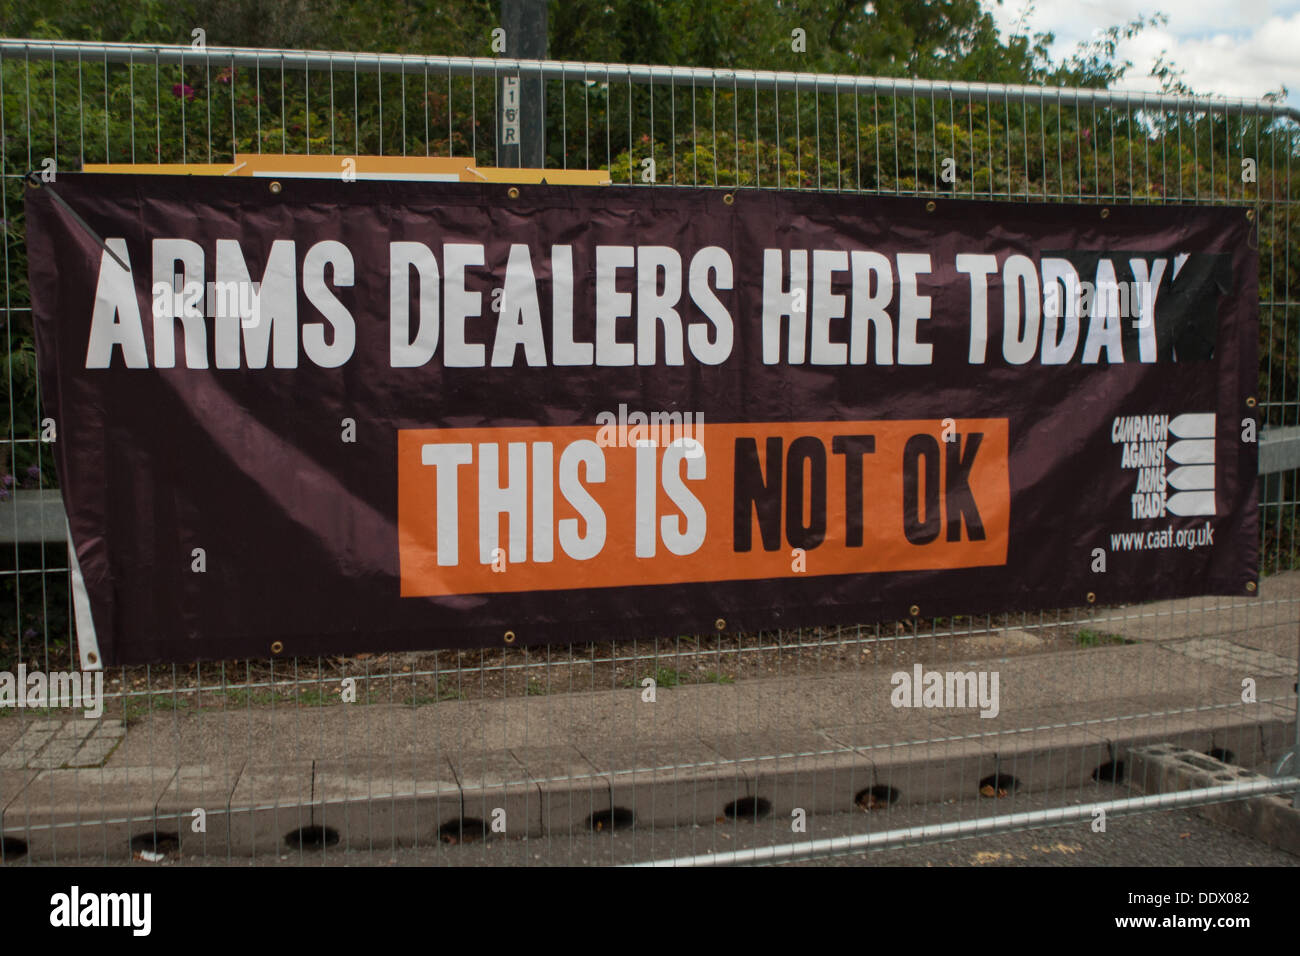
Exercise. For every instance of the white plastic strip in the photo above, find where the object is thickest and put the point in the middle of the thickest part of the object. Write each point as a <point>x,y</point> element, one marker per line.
<point>87,641</point>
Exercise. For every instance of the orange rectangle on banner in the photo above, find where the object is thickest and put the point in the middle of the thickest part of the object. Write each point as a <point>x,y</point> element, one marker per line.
<point>550,508</point>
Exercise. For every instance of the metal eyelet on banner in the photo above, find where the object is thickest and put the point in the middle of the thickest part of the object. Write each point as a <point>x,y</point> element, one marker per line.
<point>1250,215</point>
<point>277,647</point>
<point>1092,598</point>
<point>1250,402</point>
<point>92,658</point>
<point>513,192</point>
<point>33,180</point>
<point>509,637</point>
<point>914,610</point>
<point>720,624</point>
<point>276,187</point>
<point>1251,586</point>
<point>931,206</point>
<point>728,199</point>
<point>1105,213</point>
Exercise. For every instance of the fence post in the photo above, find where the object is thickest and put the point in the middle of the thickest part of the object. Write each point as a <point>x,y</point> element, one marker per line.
<point>520,136</point>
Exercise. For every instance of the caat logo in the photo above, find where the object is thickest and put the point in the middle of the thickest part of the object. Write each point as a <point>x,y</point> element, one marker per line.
<point>1173,459</point>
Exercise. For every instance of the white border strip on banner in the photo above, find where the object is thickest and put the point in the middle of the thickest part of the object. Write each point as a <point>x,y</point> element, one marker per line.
<point>87,641</point>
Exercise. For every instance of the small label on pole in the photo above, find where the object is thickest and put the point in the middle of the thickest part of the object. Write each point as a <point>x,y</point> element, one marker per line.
<point>510,111</point>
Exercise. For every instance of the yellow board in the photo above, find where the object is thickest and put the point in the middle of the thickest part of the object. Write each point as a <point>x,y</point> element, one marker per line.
<point>164,169</point>
<point>417,168</point>
<point>426,168</point>
<point>553,177</point>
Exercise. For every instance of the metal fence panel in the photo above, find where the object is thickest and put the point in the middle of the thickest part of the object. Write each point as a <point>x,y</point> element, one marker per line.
<point>746,731</point>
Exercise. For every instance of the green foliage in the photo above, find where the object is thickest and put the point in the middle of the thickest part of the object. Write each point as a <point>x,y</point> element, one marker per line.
<point>667,677</point>
<point>1090,638</point>
<point>35,610</point>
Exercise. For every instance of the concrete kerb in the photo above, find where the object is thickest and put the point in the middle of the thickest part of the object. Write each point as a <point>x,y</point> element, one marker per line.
<point>558,790</point>
<point>364,804</point>
<point>267,804</point>
<point>791,770</point>
<point>1041,760</point>
<point>51,813</point>
<point>204,788</point>
<point>679,785</point>
<point>1277,729</point>
<point>495,787</point>
<point>944,768</point>
<point>1245,730</point>
<point>12,783</point>
<point>572,792</point>
<point>1168,768</point>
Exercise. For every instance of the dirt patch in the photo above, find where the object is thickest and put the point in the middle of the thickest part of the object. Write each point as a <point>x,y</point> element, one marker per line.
<point>418,679</point>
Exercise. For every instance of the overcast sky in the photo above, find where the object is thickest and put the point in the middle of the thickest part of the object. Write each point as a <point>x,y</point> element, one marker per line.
<point>1243,48</point>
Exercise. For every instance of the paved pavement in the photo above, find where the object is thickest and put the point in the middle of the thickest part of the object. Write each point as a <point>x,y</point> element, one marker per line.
<point>560,766</point>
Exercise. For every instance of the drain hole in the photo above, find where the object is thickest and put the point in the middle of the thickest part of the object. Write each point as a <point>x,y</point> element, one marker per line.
<point>877,797</point>
<point>616,818</point>
<point>464,830</point>
<point>998,785</point>
<point>311,838</point>
<point>155,842</point>
<point>747,808</point>
<point>1111,772</point>
<point>1222,753</point>
<point>11,848</point>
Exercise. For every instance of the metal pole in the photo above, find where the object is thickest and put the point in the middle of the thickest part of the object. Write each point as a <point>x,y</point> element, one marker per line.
<point>522,96</point>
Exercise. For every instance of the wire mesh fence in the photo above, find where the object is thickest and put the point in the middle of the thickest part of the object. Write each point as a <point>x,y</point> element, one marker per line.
<point>740,743</point>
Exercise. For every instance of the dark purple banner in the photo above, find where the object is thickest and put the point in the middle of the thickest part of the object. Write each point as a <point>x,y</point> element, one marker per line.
<point>333,417</point>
